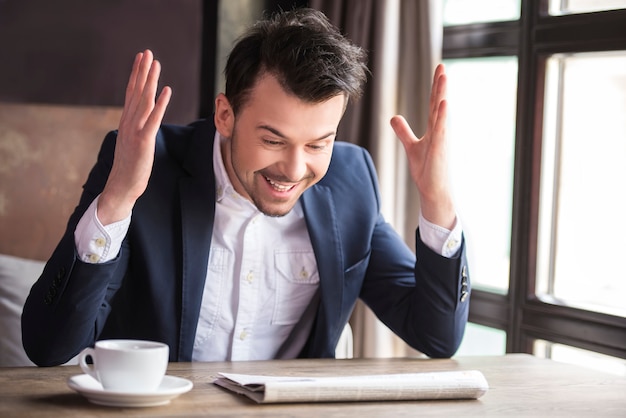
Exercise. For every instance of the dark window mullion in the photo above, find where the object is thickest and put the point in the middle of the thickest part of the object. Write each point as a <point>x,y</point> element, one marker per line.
<point>601,31</point>
<point>576,327</point>
<point>523,228</point>
<point>489,309</point>
<point>480,40</point>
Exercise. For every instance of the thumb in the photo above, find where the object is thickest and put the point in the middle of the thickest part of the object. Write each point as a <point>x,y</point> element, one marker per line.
<point>403,130</point>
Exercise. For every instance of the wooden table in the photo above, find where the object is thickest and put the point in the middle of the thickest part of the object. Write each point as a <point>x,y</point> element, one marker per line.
<point>520,385</point>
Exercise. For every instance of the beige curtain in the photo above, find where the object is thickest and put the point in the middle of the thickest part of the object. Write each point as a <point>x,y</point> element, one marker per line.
<point>403,39</point>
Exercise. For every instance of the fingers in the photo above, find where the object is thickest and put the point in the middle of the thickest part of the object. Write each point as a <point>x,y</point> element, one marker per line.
<point>403,130</point>
<point>440,122</point>
<point>136,84</point>
<point>437,113</point>
<point>437,95</point>
<point>439,83</point>
<point>147,95</point>
<point>140,101</point>
<point>130,87</point>
<point>155,118</point>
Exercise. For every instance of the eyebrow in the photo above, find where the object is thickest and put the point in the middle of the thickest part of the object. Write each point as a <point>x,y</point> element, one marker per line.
<point>283,136</point>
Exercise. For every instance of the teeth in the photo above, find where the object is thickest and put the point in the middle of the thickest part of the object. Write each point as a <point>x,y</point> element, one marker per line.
<point>277,186</point>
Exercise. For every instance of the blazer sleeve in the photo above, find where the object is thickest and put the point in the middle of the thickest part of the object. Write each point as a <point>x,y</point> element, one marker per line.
<point>68,305</point>
<point>421,297</point>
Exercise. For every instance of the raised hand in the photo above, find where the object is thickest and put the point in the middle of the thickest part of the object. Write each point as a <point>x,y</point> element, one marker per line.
<point>427,156</point>
<point>134,149</point>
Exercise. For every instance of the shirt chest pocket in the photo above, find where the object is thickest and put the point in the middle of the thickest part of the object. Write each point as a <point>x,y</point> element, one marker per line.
<point>296,280</point>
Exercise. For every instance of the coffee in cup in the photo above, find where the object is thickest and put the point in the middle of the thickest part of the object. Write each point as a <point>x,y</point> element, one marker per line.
<point>126,365</point>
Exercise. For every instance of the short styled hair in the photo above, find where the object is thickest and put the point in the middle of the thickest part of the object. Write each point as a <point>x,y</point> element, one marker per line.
<point>309,57</point>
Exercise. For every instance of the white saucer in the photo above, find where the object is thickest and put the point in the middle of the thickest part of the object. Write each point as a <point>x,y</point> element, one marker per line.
<point>90,388</point>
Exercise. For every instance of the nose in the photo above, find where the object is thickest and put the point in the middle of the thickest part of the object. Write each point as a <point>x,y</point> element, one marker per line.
<point>294,166</point>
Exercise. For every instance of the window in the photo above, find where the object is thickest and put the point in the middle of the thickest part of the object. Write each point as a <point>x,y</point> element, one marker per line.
<point>487,85</point>
<point>571,355</point>
<point>561,7</point>
<point>582,174</point>
<point>482,340</point>
<point>537,96</point>
<point>458,12</point>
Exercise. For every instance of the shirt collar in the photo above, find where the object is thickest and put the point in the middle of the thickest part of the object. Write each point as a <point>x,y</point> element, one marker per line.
<point>224,186</point>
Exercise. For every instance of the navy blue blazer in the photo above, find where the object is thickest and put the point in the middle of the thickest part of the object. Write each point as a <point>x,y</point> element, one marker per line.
<point>153,288</point>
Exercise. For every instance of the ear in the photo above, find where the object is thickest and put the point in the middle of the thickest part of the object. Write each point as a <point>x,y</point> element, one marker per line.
<point>224,117</point>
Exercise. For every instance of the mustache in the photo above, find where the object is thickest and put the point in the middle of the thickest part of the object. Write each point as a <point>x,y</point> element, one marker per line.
<point>281,178</point>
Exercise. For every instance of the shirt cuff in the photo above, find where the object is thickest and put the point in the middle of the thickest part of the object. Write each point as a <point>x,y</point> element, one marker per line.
<point>443,241</point>
<point>96,243</point>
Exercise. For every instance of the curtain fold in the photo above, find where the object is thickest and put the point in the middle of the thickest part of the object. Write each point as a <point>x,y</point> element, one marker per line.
<point>403,39</point>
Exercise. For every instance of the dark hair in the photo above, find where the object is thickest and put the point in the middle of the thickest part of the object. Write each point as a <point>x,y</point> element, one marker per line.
<point>308,55</point>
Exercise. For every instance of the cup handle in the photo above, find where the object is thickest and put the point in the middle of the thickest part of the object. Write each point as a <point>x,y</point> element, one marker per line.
<point>89,369</point>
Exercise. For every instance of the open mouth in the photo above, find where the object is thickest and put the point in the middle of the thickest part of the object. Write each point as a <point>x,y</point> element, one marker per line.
<point>279,187</point>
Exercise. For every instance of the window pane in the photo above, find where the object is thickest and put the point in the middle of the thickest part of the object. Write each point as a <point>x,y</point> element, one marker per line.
<point>562,7</point>
<point>481,133</point>
<point>460,12</point>
<point>579,357</point>
<point>582,224</point>
<point>480,340</point>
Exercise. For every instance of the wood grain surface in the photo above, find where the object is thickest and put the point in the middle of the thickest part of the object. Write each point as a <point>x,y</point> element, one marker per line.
<point>520,386</point>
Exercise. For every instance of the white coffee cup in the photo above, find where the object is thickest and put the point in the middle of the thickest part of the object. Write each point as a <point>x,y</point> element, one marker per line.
<point>126,365</point>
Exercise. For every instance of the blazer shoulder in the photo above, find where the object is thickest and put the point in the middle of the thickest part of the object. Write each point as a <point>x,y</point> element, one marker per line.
<point>350,162</point>
<point>351,176</point>
<point>186,142</point>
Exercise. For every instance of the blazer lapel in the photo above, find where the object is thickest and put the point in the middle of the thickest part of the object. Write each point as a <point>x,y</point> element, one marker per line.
<point>197,199</point>
<point>321,219</point>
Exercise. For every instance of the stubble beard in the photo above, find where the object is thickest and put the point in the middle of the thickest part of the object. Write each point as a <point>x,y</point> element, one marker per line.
<point>257,200</point>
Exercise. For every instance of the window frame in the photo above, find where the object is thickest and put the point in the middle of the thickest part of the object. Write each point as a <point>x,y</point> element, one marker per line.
<point>533,38</point>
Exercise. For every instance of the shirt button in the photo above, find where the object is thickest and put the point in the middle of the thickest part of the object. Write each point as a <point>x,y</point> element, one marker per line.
<point>94,258</point>
<point>250,277</point>
<point>243,335</point>
<point>451,244</point>
<point>100,242</point>
<point>304,274</point>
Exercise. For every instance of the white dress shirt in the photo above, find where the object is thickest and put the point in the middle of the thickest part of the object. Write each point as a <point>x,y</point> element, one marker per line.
<point>261,277</point>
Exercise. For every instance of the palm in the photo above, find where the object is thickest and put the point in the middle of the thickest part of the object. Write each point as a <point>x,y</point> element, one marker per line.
<point>427,156</point>
<point>134,149</point>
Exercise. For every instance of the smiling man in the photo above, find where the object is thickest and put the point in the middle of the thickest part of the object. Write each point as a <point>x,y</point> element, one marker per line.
<point>278,148</point>
<point>252,236</point>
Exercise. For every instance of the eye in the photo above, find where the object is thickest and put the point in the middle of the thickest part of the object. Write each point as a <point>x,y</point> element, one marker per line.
<point>319,146</point>
<point>271,142</point>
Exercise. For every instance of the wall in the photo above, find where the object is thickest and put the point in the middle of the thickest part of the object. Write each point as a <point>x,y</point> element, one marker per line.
<point>80,52</point>
<point>64,65</point>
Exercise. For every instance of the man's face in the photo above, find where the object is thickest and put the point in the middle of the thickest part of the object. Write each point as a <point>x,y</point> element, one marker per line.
<point>278,146</point>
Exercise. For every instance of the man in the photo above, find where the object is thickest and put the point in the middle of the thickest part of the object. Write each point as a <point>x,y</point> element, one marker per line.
<point>252,236</point>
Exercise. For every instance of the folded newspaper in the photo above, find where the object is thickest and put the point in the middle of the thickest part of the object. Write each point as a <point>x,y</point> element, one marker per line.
<point>469,384</point>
